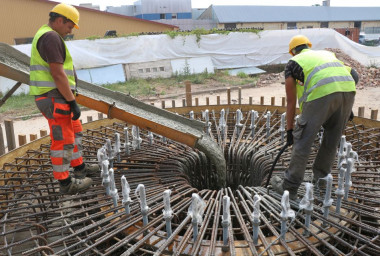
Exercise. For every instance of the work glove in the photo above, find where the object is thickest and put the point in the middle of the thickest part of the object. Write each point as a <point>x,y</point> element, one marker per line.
<point>289,137</point>
<point>74,108</point>
<point>351,116</point>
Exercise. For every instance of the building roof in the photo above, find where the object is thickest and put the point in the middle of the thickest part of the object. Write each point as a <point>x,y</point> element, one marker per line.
<point>251,13</point>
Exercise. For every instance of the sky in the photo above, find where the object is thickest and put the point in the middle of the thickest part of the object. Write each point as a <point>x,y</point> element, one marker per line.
<point>207,3</point>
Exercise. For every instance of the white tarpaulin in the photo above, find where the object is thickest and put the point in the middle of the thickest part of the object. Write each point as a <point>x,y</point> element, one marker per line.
<point>226,51</point>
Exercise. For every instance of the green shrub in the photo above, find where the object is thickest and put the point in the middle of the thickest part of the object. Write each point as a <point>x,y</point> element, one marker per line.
<point>242,75</point>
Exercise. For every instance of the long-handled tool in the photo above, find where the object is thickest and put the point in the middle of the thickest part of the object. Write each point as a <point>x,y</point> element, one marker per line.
<point>274,164</point>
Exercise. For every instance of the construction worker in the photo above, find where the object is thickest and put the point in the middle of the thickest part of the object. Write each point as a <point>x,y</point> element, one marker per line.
<point>53,83</point>
<point>325,89</point>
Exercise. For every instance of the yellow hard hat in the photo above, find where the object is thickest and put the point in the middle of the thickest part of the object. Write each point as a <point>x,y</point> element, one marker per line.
<point>68,11</point>
<point>298,40</point>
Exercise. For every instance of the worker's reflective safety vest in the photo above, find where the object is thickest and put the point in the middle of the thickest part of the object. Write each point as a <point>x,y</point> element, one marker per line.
<point>324,75</point>
<point>41,80</point>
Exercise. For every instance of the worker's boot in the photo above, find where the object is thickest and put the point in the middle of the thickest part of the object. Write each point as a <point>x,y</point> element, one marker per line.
<point>277,185</point>
<point>86,170</point>
<point>75,186</point>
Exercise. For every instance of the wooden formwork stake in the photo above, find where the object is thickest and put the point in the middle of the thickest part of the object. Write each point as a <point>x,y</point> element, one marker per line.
<point>218,100</point>
<point>229,96</point>
<point>43,133</point>
<point>21,139</point>
<point>272,101</point>
<point>196,102</point>
<point>262,100</point>
<point>189,97</point>
<point>173,103</point>
<point>32,137</point>
<point>10,134</point>
<point>207,101</point>
<point>239,95</point>
<point>250,100</point>
<point>89,119</point>
<point>374,114</point>
<point>2,146</point>
<point>183,102</point>
<point>361,112</point>
<point>100,116</point>
<point>283,99</point>
<point>163,104</point>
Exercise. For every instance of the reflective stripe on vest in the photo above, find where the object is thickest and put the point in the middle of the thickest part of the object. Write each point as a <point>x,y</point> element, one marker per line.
<point>41,80</point>
<point>42,68</point>
<point>324,74</point>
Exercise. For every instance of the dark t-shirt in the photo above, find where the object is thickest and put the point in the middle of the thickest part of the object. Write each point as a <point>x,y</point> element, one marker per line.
<point>52,49</point>
<point>294,70</point>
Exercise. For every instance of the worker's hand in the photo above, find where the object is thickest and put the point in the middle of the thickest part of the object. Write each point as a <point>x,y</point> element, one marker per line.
<point>74,108</point>
<point>289,137</point>
<point>351,116</point>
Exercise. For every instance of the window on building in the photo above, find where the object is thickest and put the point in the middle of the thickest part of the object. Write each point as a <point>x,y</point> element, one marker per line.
<point>162,68</point>
<point>229,25</point>
<point>357,24</point>
<point>141,70</point>
<point>147,70</point>
<point>155,69</point>
<point>24,40</point>
<point>292,25</point>
<point>324,24</point>
<point>174,15</point>
<point>162,16</point>
<point>309,26</point>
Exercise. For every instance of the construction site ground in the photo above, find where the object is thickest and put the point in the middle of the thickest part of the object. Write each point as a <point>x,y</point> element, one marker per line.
<point>269,85</point>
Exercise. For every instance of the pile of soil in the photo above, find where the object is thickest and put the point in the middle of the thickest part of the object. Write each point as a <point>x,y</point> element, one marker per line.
<point>368,76</point>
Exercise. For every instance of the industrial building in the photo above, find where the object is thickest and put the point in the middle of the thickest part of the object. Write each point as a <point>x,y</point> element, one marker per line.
<point>293,17</point>
<point>172,12</point>
<point>34,13</point>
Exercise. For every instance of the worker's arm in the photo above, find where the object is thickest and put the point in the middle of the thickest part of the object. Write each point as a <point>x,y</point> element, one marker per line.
<point>291,101</point>
<point>355,75</point>
<point>61,81</point>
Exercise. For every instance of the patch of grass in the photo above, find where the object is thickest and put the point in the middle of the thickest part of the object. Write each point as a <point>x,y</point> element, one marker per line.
<point>93,37</point>
<point>134,87</point>
<point>23,103</point>
<point>24,118</point>
<point>242,75</point>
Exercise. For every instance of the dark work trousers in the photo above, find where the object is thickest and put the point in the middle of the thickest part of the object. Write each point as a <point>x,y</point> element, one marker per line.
<point>332,113</point>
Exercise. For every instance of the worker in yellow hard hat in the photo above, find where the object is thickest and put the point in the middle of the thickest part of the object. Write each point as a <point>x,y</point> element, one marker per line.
<point>53,83</point>
<point>325,89</point>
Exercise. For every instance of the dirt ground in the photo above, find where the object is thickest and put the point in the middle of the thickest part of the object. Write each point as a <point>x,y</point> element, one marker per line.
<point>367,97</point>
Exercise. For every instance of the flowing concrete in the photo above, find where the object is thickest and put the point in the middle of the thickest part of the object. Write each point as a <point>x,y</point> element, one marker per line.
<point>15,65</point>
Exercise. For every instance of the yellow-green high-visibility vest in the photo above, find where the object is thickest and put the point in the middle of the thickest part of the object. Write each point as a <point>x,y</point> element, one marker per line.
<point>41,80</point>
<point>324,75</point>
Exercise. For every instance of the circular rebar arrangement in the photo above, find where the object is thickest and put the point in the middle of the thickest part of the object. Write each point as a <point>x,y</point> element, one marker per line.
<point>169,204</point>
